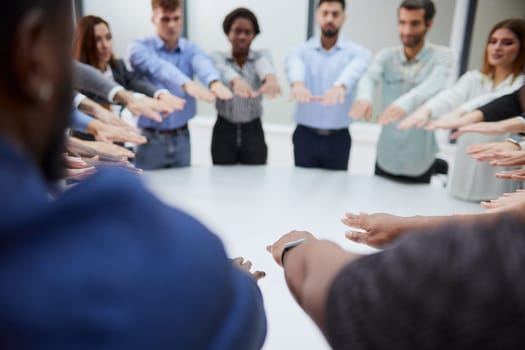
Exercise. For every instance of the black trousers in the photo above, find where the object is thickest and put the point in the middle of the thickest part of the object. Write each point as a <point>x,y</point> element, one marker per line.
<point>422,179</point>
<point>325,149</point>
<point>234,143</point>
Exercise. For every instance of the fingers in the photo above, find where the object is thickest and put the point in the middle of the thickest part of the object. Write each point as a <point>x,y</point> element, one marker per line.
<point>246,266</point>
<point>257,275</point>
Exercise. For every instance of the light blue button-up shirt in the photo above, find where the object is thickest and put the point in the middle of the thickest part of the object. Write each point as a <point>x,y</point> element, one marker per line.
<point>320,70</point>
<point>406,84</point>
<point>170,69</point>
<point>80,120</point>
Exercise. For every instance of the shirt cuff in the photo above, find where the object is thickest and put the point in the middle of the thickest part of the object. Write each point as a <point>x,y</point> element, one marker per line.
<point>114,92</point>
<point>80,121</point>
<point>78,99</point>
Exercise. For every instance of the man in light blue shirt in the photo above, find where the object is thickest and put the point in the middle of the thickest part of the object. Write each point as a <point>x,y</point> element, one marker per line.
<point>410,74</point>
<point>323,73</point>
<point>170,62</point>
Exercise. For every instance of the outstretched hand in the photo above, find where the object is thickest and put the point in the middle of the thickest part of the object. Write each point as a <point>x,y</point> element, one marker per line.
<point>246,266</point>
<point>376,230</point>
<point>277,248</point>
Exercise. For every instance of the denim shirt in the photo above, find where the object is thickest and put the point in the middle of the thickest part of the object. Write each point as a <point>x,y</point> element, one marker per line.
<point>170,69</point>
<point>407,84</point>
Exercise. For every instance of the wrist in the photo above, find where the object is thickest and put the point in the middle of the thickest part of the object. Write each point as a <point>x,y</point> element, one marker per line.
<point>515,141</point>
<point>93,127</point>
<point>289,246</point>
<point>212,83</point>
<point>339,85</point>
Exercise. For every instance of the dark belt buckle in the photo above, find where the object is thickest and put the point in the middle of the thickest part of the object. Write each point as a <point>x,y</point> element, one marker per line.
<point>323,132</point>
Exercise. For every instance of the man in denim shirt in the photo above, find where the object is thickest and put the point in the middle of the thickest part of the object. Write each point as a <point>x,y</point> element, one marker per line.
<point>410,75</point>
<point>170,62</point>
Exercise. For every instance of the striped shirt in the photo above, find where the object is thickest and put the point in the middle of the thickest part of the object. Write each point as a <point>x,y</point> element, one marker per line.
<point>257,66</point>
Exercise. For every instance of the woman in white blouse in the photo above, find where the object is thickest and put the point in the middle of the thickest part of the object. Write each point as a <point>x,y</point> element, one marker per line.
<point>500,74</point>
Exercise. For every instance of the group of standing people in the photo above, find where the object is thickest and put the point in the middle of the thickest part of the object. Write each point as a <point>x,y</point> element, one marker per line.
<point>332,79</point>
<point>106,265</point>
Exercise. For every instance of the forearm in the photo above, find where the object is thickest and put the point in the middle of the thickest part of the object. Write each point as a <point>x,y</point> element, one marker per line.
<point>310,269</point>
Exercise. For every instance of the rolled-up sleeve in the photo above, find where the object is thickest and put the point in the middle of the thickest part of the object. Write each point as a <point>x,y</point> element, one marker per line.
<point>143,58</point>
<point>294,66</point>
<point>355,69</point>
<point>435,82</point>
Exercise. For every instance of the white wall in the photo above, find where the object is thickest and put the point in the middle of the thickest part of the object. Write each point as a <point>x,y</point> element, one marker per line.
<point>373,23</point>
<point>489,13</point>
<point>128,19</point>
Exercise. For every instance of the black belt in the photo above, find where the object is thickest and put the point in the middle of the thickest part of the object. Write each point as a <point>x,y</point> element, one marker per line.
<point>176,131</point>
<point>322,132</point>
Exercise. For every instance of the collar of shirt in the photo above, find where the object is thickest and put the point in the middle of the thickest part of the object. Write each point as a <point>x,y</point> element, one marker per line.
<point>160,44</point>
<point>315,43</point>
<point>420,55</point>
<point>230,58</point>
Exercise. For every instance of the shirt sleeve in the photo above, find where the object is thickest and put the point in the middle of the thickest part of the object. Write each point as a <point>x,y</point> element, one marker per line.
<point>355,69</point>
<point>294,66</point>
<point>227,72</point>
<point>91,80</point>
<point>435,82</point>
<point>80,120</point>
<point>203,65</point>
<point>374,74</point>
<point>507,106</point>
<point>264,64</point>
<point>144,59</point>
<point>78,99</point>
<point>451,98</point>
<point>486,98</point>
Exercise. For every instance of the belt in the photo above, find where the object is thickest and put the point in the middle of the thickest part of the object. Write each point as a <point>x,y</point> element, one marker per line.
<point>323,132</point>
<point>176,131</point>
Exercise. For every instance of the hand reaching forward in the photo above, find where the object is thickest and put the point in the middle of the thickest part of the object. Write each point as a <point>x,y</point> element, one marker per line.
<point>220,91</point>
<point>375,230</point>
<point>361,109</point>
<point>300,93</point>
<point>277,248</point>
<point>417,119</point>
<point>246,266</point>
<point>173,102</point>
<point>390,115</point>
<point>270,88</point>
<point>198,91</point>
<point>242,89</point>
<point>334,96</point>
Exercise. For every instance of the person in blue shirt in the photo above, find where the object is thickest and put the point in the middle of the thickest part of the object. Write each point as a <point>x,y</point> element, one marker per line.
<point>105,265</point>
<point>170,62</point>
<point>323,73</point>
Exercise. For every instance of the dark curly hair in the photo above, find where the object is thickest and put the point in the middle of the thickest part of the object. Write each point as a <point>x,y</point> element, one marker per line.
<point>240,12</point>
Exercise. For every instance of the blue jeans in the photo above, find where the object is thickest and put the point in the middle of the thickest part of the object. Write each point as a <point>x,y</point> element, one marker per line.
<point>164,150</point>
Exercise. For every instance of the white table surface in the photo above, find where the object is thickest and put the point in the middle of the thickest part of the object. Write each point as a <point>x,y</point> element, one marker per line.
<point>250,207</point>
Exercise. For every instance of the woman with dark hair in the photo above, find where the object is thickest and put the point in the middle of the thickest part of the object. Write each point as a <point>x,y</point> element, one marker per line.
<point>238,136</point>
<point>93,46</point>
<point>501,73</point>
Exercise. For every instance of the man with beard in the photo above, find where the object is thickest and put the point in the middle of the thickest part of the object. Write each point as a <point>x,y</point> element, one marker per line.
<point>409,75</point>
<point>105,265</point>
<point>323,73</point>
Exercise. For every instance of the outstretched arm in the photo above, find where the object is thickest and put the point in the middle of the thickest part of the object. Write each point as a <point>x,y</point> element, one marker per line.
<point>310,269</point>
